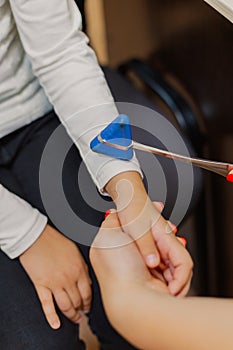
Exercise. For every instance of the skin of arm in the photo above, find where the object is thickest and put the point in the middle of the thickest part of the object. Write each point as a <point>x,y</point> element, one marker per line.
<point>128,192</point>
<point>140,307</point>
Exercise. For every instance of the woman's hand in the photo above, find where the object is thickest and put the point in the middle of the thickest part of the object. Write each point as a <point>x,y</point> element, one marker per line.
<point>58,272</point>
<point>117,261</point>
<point>154,236</point>
<point>176,264</point>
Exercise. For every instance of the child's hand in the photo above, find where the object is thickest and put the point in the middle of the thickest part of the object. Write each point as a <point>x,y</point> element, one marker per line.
<point>153,235</point>
<point>59,274</point>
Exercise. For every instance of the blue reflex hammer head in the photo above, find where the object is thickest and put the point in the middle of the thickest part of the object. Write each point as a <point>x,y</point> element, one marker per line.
<point>118,132</point>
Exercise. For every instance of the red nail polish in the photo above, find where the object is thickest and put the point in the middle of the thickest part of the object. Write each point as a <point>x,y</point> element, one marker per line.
<point>229,177</point>
<point>184,241</point>
<point>107,213</point>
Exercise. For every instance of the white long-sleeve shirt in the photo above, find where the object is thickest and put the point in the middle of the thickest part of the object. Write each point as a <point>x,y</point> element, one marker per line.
<point>45,63</point>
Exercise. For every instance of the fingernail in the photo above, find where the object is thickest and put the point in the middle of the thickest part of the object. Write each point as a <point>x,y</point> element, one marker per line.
<point>230,177</point>
<point>109,211</point>
<point>173,226</point>
<point>183,241</point>
<point>173,289</point>
<point>56,324</point>
<point>152,260</point>
<point>161,205</point>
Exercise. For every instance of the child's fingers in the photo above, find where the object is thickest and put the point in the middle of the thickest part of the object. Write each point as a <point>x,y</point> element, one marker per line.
<point>148,249</point>
<point>47,303</point>
<point>65,304</point>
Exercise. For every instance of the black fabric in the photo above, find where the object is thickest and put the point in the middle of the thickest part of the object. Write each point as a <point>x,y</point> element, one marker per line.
<point>23,325</point>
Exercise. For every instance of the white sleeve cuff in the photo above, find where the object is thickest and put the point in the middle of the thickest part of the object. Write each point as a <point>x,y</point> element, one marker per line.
<point>25,242</point>
<point>20,224</point>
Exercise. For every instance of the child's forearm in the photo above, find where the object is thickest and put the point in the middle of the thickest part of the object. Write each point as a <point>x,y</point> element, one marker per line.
<point>136,213</point>
<point>151,320</point>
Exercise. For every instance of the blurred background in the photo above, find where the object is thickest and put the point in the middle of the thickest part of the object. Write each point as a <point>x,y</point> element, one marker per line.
<point>191,46</point>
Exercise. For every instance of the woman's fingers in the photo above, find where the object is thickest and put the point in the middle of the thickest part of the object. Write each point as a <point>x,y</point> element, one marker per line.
<point>178,276</point>
<point>145,243</point>
<point>186,288</point>
<point>110,234</point>
<point>111,219</point>
<point>181,275</point>
<point>47,303</point>
<point>168,275</point>
<point>158,275</point>
<point>182,240</point>
<point>159,206</point>
<point>179,265</point>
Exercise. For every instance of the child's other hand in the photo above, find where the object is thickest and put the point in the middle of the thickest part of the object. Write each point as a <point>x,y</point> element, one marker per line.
<point>59,274</point>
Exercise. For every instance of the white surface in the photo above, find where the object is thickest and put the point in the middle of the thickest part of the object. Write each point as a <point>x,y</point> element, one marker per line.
<point>225,7</point>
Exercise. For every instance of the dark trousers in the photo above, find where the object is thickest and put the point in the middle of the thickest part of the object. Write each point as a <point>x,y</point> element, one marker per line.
<point>22,323</point>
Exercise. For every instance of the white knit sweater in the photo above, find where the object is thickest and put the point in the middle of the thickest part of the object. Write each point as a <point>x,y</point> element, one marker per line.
<point>45,63</point>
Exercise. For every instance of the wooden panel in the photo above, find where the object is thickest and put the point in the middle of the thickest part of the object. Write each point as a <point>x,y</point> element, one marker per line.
<point>96,29</point>
<point>120,29</point>
<point>129,32</point>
